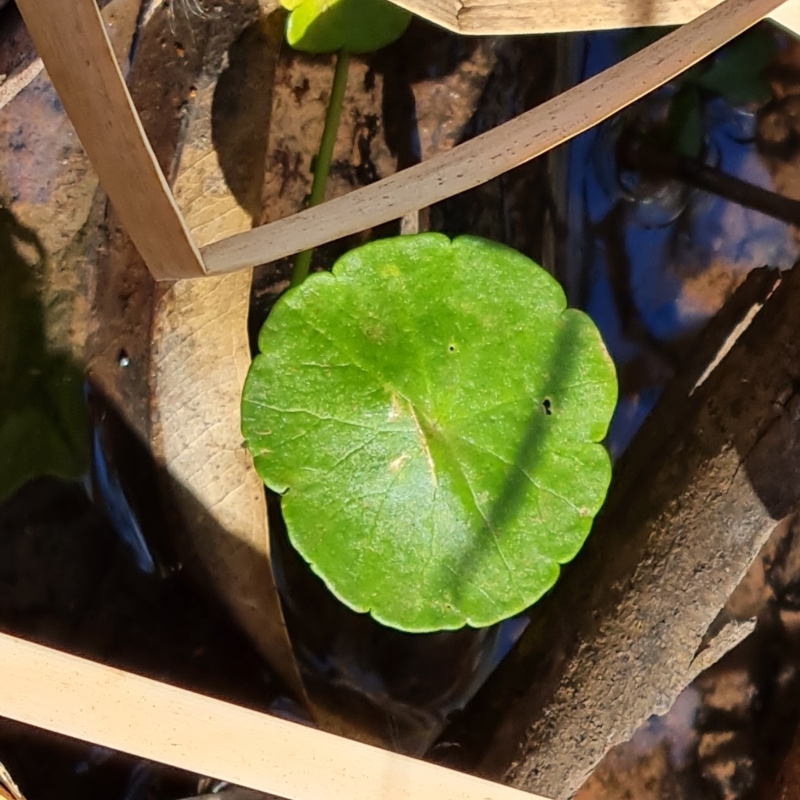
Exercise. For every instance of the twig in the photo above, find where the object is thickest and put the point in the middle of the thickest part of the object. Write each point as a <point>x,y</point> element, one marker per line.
<point>637,155</point>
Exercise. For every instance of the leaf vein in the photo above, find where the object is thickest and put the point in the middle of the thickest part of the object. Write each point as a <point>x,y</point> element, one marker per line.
<point>533,481</point>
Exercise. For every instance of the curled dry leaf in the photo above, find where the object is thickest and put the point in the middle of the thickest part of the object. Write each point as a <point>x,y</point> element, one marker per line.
<point>201,355</point>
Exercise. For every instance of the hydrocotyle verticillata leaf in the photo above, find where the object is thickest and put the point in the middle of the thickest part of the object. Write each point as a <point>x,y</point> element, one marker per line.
<point>431,413</point>
<point>358,26</point>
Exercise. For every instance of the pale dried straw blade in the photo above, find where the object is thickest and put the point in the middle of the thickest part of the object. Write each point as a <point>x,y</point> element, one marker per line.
<point>503,17</point>
<point>89,701</point>
<point>72,41</point>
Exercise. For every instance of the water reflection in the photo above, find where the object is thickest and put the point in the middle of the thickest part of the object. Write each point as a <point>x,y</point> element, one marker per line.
<point>652,263</point>
<point>42,414</point>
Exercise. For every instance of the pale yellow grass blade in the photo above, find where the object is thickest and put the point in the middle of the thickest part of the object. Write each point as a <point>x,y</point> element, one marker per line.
<point>152,720</point>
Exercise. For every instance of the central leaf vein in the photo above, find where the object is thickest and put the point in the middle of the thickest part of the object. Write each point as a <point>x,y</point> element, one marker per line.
<point>424,442</point>
<point>458,473</point>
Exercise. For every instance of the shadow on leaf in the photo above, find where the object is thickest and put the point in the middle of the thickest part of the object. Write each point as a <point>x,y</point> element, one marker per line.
<point>504,508</point>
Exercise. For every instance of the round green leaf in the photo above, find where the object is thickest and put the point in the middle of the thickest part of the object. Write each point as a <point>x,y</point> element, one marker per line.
<point>358,26</point>
<point>431,412</point>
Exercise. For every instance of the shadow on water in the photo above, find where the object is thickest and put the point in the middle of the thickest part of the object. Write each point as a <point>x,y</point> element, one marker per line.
<point>242,107</point>
<point>508,503</point>
<point>43,428</point>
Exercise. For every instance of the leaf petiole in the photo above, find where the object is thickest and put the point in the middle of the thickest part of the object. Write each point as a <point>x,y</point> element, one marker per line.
<point>302,261</point>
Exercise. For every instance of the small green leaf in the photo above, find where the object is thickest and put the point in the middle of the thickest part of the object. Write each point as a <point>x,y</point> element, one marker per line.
<point>736,72</point>
<point>685,122</point>
<point>432,413</point>
<point>358,26</point>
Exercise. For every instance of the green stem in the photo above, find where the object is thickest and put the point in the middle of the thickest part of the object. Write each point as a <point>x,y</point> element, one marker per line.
<point>302,261</point>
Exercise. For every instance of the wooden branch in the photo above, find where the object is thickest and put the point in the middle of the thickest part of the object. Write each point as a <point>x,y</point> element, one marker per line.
<point>712,471</point>
<point>504,17</point>
<point>71,39</point>
<point>116,709</point>
<point>495,152</point>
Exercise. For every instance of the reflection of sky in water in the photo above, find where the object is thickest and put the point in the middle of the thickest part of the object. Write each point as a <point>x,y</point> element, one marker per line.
<point>676,282</point>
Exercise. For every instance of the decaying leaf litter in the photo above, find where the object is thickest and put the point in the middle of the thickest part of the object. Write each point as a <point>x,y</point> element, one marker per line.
<point>117,356</point>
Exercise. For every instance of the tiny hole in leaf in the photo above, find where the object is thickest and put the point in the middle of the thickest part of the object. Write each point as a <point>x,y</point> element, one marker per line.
<point>546,406</point>
<point>452,348</point>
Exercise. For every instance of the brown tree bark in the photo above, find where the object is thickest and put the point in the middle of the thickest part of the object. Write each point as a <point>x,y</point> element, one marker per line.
<point>714,468</point>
